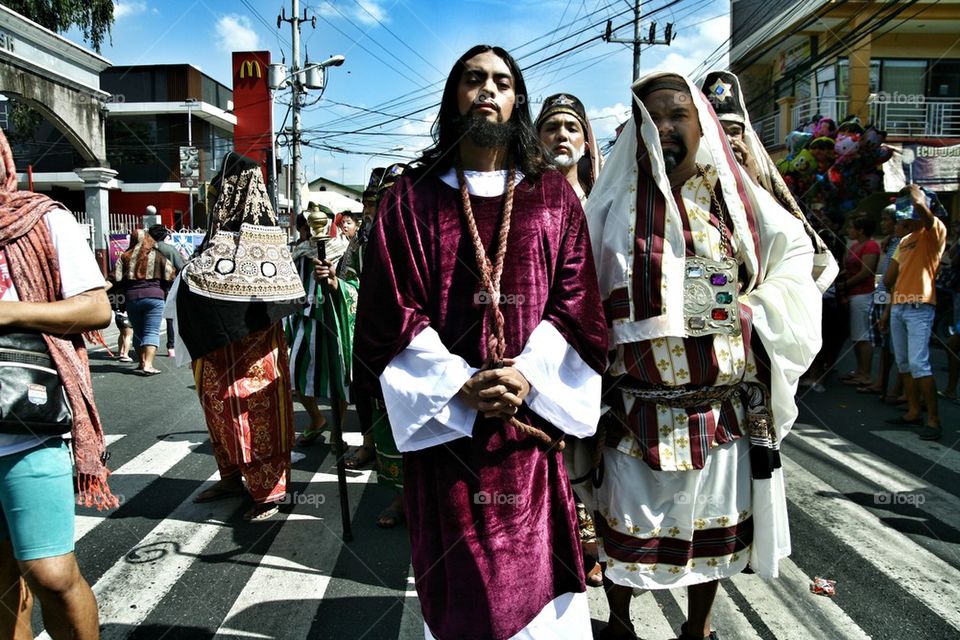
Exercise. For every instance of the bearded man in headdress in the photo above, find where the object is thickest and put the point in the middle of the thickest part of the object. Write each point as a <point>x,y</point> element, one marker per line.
<point>565,131</point>
<point>713,317</point>
<point>480,324</point>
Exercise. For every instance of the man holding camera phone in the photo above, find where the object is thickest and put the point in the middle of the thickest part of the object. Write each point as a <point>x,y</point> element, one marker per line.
<point>911,277</point>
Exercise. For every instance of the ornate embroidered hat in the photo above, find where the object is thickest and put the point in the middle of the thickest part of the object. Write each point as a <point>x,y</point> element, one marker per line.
<point>722,90</point>
<point>563,103</point>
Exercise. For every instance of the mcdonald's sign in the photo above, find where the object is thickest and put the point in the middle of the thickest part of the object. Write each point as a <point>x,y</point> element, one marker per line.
<point>252,106</point>
<point>250,68</point>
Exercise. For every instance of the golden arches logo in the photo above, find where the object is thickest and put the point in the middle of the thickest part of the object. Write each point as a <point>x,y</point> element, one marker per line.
<point>250,68</point>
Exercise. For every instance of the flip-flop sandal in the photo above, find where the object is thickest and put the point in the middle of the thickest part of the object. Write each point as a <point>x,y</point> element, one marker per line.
<point>855,382</point>
<point>149,372</point>
<point>213,494</point>
<point>260,512</point>
<point>931,433</point>
<point>868,391</point>
<point>354,462</point>
<point>390,518</point>
<point>125,359</point>
<point>310,436</point>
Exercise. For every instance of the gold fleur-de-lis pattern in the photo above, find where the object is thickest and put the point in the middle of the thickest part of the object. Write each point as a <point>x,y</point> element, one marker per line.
<point>642,574</point>
<point>669,353</point>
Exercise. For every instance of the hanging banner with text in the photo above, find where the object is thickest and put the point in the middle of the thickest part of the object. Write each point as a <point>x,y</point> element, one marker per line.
<point>934,167</point>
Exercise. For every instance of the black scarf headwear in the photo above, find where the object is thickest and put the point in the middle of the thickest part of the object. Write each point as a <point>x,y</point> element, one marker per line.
<point>592,160</point>
<point>236,196</point>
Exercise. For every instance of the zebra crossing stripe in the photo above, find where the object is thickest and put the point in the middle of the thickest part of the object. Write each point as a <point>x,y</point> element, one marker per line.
<point>811,616</point>
<point>152,568</point>
<point>937,454</point>
<point>895,484</point>
<point>134,476</point>
<point>647,616</point>
<point>726,616</point>
<point>932,581</point>
<point>276,577</point>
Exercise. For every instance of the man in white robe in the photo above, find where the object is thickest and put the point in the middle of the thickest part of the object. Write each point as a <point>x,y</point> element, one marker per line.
<point>713,317</point>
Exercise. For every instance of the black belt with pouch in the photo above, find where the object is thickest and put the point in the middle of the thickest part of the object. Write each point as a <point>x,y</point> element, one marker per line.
<point>33,400</point>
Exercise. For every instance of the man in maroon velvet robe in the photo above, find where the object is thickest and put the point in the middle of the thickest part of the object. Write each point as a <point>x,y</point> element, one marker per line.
<point>492,526</point>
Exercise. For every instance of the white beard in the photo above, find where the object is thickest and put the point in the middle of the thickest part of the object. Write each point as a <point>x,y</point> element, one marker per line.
<point>565,161</point>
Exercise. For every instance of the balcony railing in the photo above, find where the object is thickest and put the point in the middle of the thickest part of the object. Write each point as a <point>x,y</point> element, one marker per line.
<point>803,111</point>
<point>918,117</point>
<point>768,129</point>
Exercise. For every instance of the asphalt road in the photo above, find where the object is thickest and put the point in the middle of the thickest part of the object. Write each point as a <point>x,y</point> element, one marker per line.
<point>871,507</point>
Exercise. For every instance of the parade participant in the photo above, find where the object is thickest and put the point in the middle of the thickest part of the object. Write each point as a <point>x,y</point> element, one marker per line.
<point>310,341</point>
<point>713,317</point>
<point>50,284</point>
<point>350,223</point>
<point>227,305</point>
<point>564,130</point>
<point>911,277</point>
<point>378,436</point>
<point>146,275</point>
<point>480,323</point>
<point>302,250</point>
<point>722,89</point>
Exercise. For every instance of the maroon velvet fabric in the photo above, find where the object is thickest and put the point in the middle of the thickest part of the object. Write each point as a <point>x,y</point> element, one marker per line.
<point>492,526</point>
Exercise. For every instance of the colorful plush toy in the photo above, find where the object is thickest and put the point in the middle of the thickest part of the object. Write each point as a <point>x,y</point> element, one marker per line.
<point>797,141</point>
<point>826,128</point>
<point>846,147</point>
<point>823,152</point>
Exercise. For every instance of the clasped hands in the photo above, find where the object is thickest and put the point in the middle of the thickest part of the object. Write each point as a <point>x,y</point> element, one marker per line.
<point>496,393</point>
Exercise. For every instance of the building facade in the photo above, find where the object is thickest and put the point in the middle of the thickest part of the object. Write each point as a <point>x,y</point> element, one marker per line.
<point>893,64</point>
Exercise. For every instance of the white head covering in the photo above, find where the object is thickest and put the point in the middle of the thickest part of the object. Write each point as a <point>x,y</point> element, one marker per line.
<point>779,293</point>
<point>611,214</point>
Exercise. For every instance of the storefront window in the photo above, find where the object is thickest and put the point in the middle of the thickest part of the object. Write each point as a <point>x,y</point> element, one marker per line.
<point>904,77</point>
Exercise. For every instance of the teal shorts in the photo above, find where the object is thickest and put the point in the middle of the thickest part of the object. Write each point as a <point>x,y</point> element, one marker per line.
<point>36,501</point>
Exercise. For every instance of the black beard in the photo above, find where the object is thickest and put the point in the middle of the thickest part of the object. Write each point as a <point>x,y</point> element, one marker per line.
<point>484,133</point>
<point>673,158</point>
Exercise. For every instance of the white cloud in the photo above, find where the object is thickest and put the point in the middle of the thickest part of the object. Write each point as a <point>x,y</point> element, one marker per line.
<point>605,120</point>
<point>235,33</point>
<point>697,45</point>
<point>419,127</point>
<point>124,8</point>
<point>370,12</point>
<point>367,12</point>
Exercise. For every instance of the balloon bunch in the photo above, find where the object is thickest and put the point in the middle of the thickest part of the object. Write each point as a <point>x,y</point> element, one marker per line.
<point>834,166</point>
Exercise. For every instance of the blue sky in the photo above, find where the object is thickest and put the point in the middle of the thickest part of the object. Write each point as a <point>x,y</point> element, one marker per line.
<point>398,53</point>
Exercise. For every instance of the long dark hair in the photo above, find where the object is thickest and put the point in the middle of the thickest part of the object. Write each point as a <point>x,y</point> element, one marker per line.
<point>525,148</point>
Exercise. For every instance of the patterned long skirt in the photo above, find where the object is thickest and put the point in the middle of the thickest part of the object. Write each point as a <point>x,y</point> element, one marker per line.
<point>245,394</point>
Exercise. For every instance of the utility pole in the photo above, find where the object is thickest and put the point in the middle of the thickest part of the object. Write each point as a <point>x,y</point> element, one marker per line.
<point>190,103</point>
<point>637,41</point>
<point>311,76</point>
<point>295,88</point>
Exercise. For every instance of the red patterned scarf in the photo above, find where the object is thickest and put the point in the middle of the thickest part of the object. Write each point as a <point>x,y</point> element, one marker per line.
<point>143,261</point>
<point>36,274</point>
